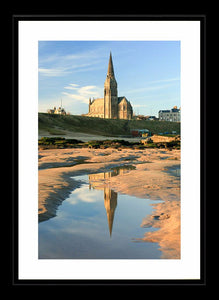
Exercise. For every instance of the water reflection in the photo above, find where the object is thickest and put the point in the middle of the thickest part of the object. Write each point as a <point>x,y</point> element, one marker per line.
<point>110,196</point>
<point>82,228</point>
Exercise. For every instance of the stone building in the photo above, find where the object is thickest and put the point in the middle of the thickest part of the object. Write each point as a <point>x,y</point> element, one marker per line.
<point>57,111</point>
<point>171,115</point>
<point>111,106</point>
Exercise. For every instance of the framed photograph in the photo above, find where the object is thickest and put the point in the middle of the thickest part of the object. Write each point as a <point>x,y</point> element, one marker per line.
<point>110,113</point>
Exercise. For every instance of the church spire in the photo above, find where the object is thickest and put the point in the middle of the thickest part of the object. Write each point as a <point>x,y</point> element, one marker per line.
<point>110,203</point>
<point>110,71</point>
<point>110,93</point>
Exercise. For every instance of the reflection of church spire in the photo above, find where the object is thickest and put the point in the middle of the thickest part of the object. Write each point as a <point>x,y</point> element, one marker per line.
<point>110,197</point>
<point>110,203</point>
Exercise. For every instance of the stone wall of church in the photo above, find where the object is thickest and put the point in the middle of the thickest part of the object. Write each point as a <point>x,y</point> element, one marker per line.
<point>124,110</point>
<point>96,108</point>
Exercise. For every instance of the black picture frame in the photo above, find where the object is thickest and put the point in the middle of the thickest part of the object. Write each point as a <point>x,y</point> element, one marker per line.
<point>14,262</point>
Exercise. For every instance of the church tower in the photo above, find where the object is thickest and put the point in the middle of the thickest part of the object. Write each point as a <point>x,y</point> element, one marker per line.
<point>110,93</point>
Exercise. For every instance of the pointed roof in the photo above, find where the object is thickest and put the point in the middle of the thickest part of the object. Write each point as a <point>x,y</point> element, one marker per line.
<point>110,71</point>
<point>110,217</point>
<point>110,203</point>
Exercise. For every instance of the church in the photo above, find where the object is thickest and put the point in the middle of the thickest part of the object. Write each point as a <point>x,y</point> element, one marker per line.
<point>111,106</point>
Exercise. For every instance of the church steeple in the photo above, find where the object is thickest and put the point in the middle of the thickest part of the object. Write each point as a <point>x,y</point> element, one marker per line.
<point>110,93</point>
<point>110,203</point>
<point>110,71</point>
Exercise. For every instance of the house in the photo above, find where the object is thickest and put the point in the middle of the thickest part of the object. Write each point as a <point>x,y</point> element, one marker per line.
<point>172,115</point>
<point>57,111</point>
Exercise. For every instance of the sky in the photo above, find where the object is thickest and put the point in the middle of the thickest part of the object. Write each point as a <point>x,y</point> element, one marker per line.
<point>147,74</point>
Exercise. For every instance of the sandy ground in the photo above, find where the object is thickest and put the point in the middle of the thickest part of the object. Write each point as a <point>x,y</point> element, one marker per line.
<point>152,178</point>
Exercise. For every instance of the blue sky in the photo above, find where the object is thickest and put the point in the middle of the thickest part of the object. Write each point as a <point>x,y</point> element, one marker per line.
<point>147,73</point>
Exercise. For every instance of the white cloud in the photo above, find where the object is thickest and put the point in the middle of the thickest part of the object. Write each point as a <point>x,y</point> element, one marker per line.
<point>85,195</point>
<point>59,65</point>
<point>73,68</point>
<point>72,95</point>
<point>70,88</point>
<point>88,90</point>
<point>53,72</point>
<point>83,93</point>
<point>76,97</point>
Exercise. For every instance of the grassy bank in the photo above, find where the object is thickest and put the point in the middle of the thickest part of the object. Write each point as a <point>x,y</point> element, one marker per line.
<point>59,124</point>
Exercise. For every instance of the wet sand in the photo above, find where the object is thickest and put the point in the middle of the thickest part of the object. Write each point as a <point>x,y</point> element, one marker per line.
<point>152,178</point>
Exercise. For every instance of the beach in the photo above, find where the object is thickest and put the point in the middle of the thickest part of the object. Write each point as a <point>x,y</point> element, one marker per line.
<point>153,176</point>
